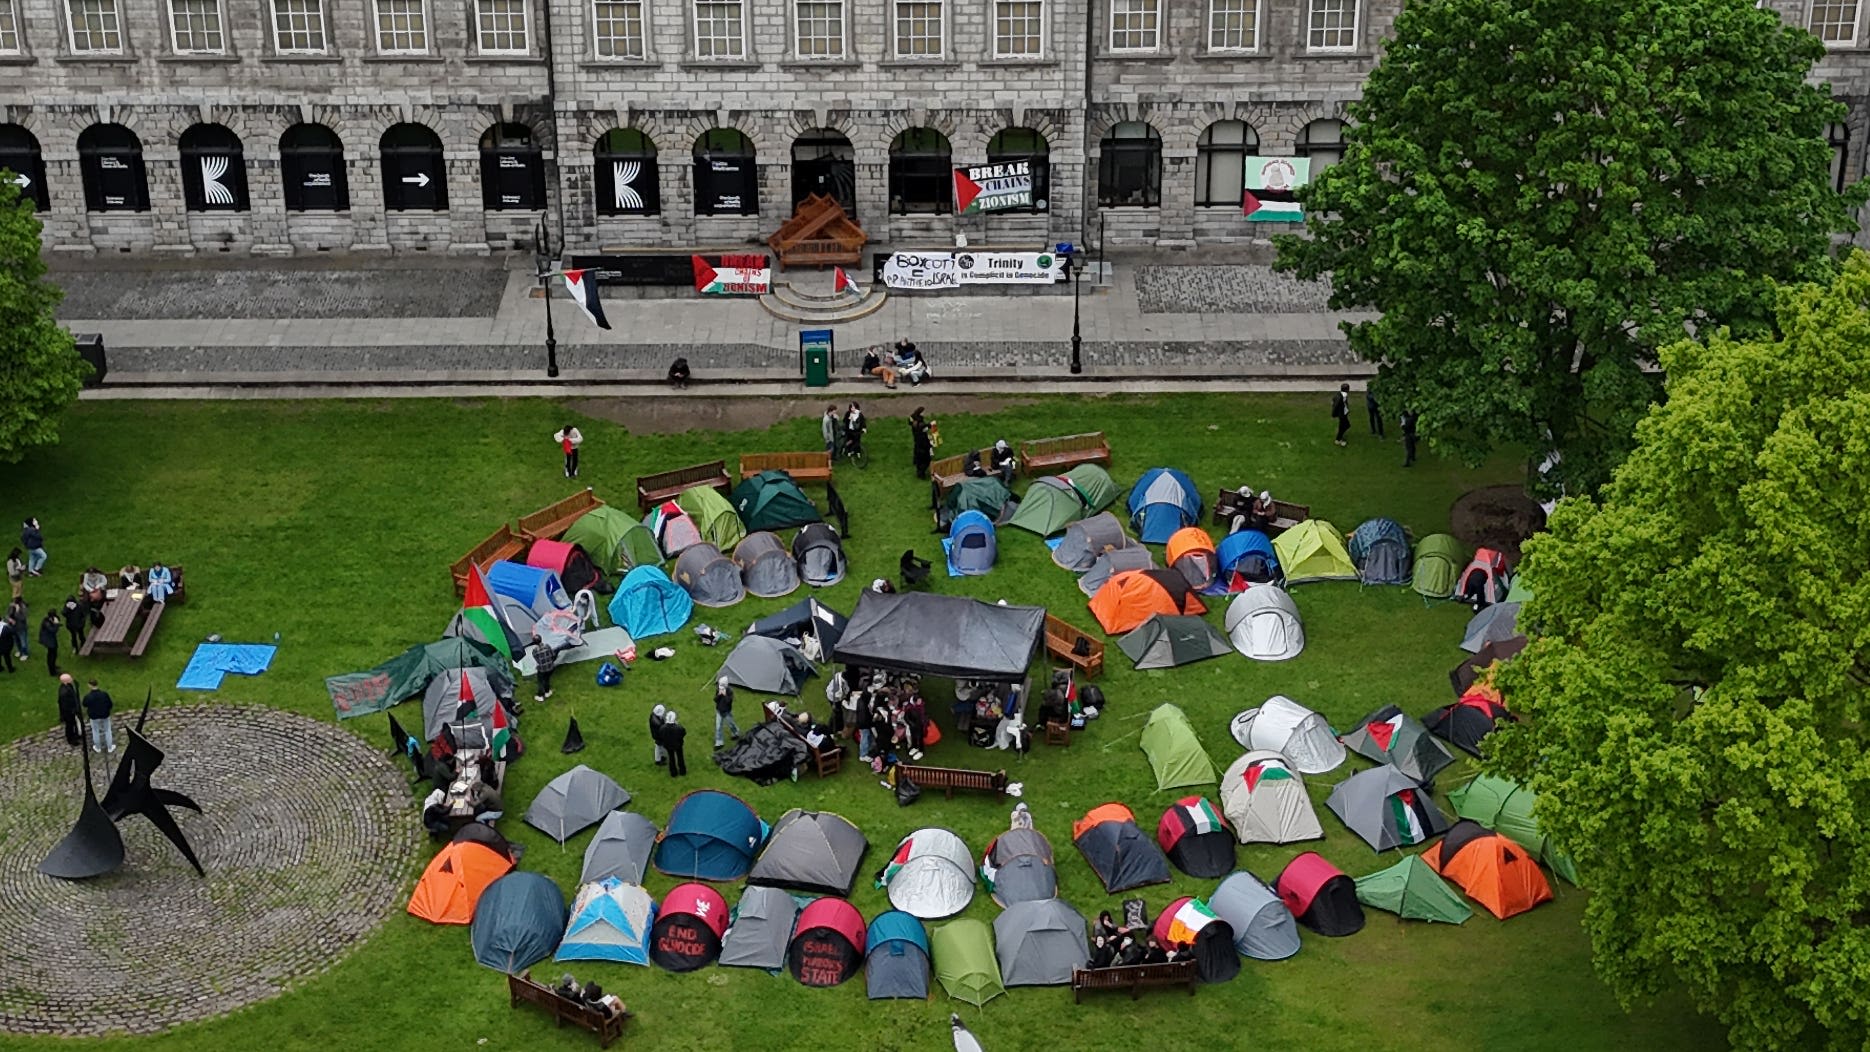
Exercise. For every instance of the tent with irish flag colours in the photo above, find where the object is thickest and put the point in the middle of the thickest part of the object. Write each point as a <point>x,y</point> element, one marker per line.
<point>1190,922</point>
<point>1387,809</point>
<point>1391,736</point>
<point>1196,839</point>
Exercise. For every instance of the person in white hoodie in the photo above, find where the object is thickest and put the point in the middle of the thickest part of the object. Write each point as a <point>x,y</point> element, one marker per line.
<point>569,438</point>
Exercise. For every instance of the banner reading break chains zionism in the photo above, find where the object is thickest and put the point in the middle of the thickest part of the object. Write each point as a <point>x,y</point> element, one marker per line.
<point>1271,191</point>
<point>993,187</point>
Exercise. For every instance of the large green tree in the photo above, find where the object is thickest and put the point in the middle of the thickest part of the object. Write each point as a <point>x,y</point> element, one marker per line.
<point>1696,695</point>
<point>40,371</point>
<point>1536,194</point>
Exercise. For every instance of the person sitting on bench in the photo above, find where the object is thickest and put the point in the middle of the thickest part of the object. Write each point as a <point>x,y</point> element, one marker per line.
<point>1001,461</point>
<point>1154,953</point>
<point>1103,951</point>
<point>161,583</point>
<point>130,577</point>
<point>91,586</point>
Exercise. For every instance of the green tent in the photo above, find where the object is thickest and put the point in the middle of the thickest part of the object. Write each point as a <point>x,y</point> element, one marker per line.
<point>1174,751</point>
<point>772,501</point>
<point>1438,562</point>
<point>1094,485</point>
<point>964,961</point>
<point>985,495</point>
<point>1413,891</point>
<point>1314,551</point>
<point>614,539</point>
<point>713,516</point>
<point>1506,809</point>
<point>1520,592</point>
<point>1050,505</point>
<point>408,673</point>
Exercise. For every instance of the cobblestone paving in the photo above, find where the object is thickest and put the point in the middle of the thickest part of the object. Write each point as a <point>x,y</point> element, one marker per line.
<point>467,290</point>
<point>298,872</point>
<point>1226,290</point>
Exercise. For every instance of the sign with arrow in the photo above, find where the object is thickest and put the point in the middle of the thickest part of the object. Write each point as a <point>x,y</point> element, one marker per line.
<point>419,179</point>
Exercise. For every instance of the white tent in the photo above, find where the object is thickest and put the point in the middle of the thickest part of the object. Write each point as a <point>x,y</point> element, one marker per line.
<point>1266,802</point>
<point>1292,730</point>
<point>930,875</point>
<point>1263,623</point>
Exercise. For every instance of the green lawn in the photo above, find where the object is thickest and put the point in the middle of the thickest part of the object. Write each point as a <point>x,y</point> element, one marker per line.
<point>333,525</point>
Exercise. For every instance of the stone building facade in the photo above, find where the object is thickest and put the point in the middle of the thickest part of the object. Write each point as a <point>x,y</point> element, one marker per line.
<point>303,126</point>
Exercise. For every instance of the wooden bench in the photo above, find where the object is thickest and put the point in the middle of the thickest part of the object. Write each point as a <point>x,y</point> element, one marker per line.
<point>1053,455</point>
<point>524,990</point>
<point>827,759</point>
<point>152,615</point>
<point>1132,977</point>
<point>551,521</point>
<point>652,490</point>
<point>949,472</point>
<point>1228,505</point>
<point>803,467</point>
<point>948,779</point>
<point>502,543</point>
<point>1061,641</point>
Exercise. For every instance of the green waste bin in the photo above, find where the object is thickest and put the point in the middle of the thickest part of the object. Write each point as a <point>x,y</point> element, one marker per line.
<point>815,357</point>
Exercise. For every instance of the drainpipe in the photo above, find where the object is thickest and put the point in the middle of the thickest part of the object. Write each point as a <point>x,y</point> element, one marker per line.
<point>551,107</point>
<point>1085,196</point>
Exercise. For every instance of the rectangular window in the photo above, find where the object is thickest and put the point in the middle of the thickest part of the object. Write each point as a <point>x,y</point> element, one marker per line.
<point>1835,22</point>
<point>299,27</point>
<point>502,26</point>
<point>94,26</point>
<point>196,26</point>
<point>1134,25</point>
<point>402,27</point>
<point>1233,25</point>
<point>718,29</point>
<point>1333,26</point>
<point>619,28</point>
<point>918,29</point>
<point>9,28</point>
<point>1018,28</point>
<point>821,28</point>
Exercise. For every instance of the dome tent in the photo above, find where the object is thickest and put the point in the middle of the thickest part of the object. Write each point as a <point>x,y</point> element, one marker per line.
<point>930,875</point>
<point>761,927</point>
<point>972,546</point>
<point>1163,501</point>
<point>964,961</point>
<point>1438,562</point>
<point>1191,552</point>
<point>709,577</point>
<point>648,604</point>
<point>1265,799</point>
<point>1498,623</point>
<point>536,588</point>
<point>1484,581</point>
<point>711,835</point>
<point>688,929</point>
<point>1171,640</point>
<point>1292,730</point>
<point>1175,753</point>
<point>713,516</point>
<point>456,688</point>
<point>896,958</point>
<point>610,921</point>
<point>1314,551</point>
<point>1018,866</point>
<point>1320,896</point>
<point>1118,852</point>
<point>1196,838</point>
<point>1128,599</point>
<point>827,946</point>
<point>820,555</point>
<point>805,617</point>
<point>455,880</point>
<point>1506,809</point>
<point>1379,548</point>
<point>1040,943</point>
<point>1113,562</point>
<point>766,567</point>
<point>1386,809</point>
<point>615,539</point>
<point>1263,624</point>
<point>1247,557</point>
<point>574,802</point>
<point>673,528</point>
<point>771,500</point>
<point>985,494</point>
<point>1392,737</point>
<point>1493,870</point>
<point>620,849</point>
<point>518,922</point>
<point>811,851</point>
<point>767,665</point>
<point>1193,923</point>
<point>1467,721</point>
<point>1264,928</point>
<point>1050,504</point>
<point>1087,539</point>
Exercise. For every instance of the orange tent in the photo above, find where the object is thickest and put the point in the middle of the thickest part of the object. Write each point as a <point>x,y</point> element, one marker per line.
<point>1191,551</point>
<point>1493,870</point>
<point>452,884</point>
<point>1134,596</point>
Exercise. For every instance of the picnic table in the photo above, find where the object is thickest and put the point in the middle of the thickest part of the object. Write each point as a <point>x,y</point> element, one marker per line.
<point>123,609</point>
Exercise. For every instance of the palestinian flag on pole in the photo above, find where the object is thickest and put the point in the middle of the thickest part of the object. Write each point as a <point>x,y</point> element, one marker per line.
<point>842,283</point>
<point>478,609</point>
<point>500,732</point>
<point>584,294</point>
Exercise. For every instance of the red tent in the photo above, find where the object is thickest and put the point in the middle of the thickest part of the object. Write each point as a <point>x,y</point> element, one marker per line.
<point>569,561</point>
<point>688,929</point>
<point>827,944</point>
<point>1320,896</point>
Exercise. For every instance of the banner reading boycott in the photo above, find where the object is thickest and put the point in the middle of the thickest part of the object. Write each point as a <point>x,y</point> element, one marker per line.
<point>993,187</point>
<point>1271,191</point>
<point>947,270</point>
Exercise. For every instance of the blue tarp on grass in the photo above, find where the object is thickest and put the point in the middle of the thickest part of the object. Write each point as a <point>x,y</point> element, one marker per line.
<point>214,660</point>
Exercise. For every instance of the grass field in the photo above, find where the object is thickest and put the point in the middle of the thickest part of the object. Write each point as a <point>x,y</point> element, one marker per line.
<point>333,525</point>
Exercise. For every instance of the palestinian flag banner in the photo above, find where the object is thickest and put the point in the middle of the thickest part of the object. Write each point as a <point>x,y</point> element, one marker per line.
<point>993,187</point>
<point>1188,921</point>
<point>1201,815</point>
<point>1403,816</point>
<point>1271,191</point>
<point>501,732</point>
<point>584,293</point>
<point>1265,770</point>
<point>1383,732</point>
<point>749,275</point>
<point>988,870</point>
<point>478,609</point>
<point>897,861</point>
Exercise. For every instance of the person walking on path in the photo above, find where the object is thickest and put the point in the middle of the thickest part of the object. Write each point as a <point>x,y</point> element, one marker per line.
<point>16,571</point>
<point>923,446</point>
<point>1408,437</point>
<point>724,711</point>
<point>831,428</point>
<point>97,706</point>
<point>569,438</point>
<point>68,711</point>
<point>48,639</point>
<point>77,621</point>
<point>32,539</point>
<point>544,660</point>
<point>673,734</point>
<point>655,734</point>
<point>1341,411</point>
<point>1376,414</point>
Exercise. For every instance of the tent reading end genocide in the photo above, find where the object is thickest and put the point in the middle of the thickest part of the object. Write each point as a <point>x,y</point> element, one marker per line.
<point>941,635</point>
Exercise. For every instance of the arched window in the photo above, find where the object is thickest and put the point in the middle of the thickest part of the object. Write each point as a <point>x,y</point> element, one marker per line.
<point>921,176</point>
<point>1221,162</point>
<point>512,169</point>
<point>20,157</point>
<point>1017,176</point>
<point>1129,167</point>
<point>413,177</point>
<point>110,158</point>
<point>727,174</point>
<point>311,162</point>
<point>626,176</point>
<point>1323,142</point>
<point>1839,136</point>
<point>214,170</point>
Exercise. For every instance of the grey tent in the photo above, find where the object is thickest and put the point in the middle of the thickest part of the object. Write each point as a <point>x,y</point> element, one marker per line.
<point>1019,867</point>
<point>1386,808</point>
<point>620,849</point>
<point>807,616</point>
<point>819,554</point>
<point>442,701</point>
<point>1087,539</point>
<point>1168,640</point>
<point>573,802</point>
<point>1495,624</point>
<point>942,635</point>
<point>1392,736</point>
<point>709,577</point>
<point>1379,548</point>
<point>761,928</point>
<point>814,851</point>
<point>896,958</point>
<point>1114,562</point>
<point>766,568</point>
<point>767,665</point>
<point>518,922</point>
<point>1263,927</point>
<point>1039,943</point>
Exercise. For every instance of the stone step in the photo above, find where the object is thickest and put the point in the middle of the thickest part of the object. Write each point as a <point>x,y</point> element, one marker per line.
<point>788,305</point>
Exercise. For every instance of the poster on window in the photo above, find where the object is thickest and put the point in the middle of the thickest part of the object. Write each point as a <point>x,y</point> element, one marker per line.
<point>993,187</point>
<point>727,187</point>
<point>1271,193</point>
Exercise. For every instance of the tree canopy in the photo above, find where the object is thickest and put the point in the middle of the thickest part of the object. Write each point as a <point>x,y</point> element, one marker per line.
<point>1696,689</point>
<point>1535,194</point>
<point>40,371</point>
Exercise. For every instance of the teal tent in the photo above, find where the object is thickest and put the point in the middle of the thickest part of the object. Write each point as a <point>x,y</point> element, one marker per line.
<point>407,675</point>
<point>772,501</point>
<point>614,539</point>
<point>986,495</point>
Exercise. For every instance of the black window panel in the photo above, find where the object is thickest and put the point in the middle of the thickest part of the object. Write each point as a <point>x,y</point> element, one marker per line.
<point>1129,173</point>
<point>625,176</point>
<point>110,161</point>
<point>214,170</point>
<point>414,179</point>
<point>824,163</point>
<point>512,169</point>
<point>921,173</point>
<point>311,163</point>
<point>727,177</point>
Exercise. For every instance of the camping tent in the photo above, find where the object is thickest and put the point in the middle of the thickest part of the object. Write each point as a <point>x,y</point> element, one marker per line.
<point>1263,927</point>
<point>1379,548</point>
<point>1266,800</point>
<point>1093,486</point>
<point>713,516</point>
<point>1506,809</point>
<point>896,958</point>
<point>711,835</point>
<point>772,501</point>
<point>616,539</point>
<point>1292,730</point>
<point>538,590</point>
<point>930,875</point>
<point>1386,808</point>
<point>1050,504</point>
<point>674,528</point>
<point>1438,561</point>
<point>620,849</point>
<point>688,929</point>
<point>1467,721</point>
<point>814,851</point>
<point>766,567</point>
<point>807,616</point>
<point>827,946</point>
<point>761,928</point>
<point>453,688</point>
<point>647,603</point>
<point>942,635</point>
<point>1493,870</point>
<point>985,494</point>
<point>964,961</point>
<point>972,546</point>
<point>1498,623</point>
<point>408,674</point>
<point>1039,943</point>
<point>1320,896</point>
<point>820,555</point>
<point>1263,624</point>
<point>1478,668</point>
<point>573,802</point>
<point>610,921</point>
<point>1484,580</point>
<point>571,563</point>
<point>1169,640</point>
<point>454,881</point>
<point>1163,501</point>
<point>1129,598</point>
<point>1411,890</point>
<point>1191,553</point>
<point>1390,736</point>
<point>1314,551</point>
<point>1121,855</point>
<point>709,577</point>
<point>1113,562</point>
<point>1018,866</point>
<point>1193,923</point>
<point>767,665</point>
<point>1196,838</point>
<point>1249,556</point>
<point>518,922</point>
<point>1175,753</point>
<point>1087,539</point>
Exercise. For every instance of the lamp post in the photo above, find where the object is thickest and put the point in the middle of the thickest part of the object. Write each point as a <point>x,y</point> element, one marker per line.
<point>542,259</point>
<point>1075,270</point>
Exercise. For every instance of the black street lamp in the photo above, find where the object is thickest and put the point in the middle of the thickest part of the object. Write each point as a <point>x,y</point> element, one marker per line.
<point>542,263</point>
<point>1074,270</point>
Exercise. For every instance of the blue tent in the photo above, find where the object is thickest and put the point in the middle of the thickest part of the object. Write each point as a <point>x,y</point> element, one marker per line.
<point>1162,501</point>
<point>1250,554</point>
<point>538,590</point>
<point>711,835</point>
<point>518,922</point>
<point>647,603</point>
<point>972,546</point>
<point>897,958</point>
<point>1380,550</point>
<point>610,921</point>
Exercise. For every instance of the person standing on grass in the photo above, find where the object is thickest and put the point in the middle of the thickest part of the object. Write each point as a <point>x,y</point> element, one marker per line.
<point>16,571</point>
<point>831,428</point>
<point>22,625</point>
<point>569,438</point>
<point>1376,414</point>
<point>32,539</point>
<point>68,711</point>
<point>673,734</point>
<point>1408,437</point>
<point>724,711</point>
<point>919,440</point>
<point>97,707</point>
<point>544,660</point>
<point>1341,411</point>
<point>7,630</point>
<point>77,621</point>
<point>48,639</point>
<point>655,734</point>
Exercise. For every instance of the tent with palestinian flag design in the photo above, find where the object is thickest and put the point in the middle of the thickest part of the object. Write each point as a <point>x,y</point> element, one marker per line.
<point>1265,799</point>
<point>1387,809</point>
<point>1190,922</point>
<point>1196,838</point>
<point>1390,736</point>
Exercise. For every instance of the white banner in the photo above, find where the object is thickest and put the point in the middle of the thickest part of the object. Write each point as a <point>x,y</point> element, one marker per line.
<point>921,270</point>
<point>947,270</point>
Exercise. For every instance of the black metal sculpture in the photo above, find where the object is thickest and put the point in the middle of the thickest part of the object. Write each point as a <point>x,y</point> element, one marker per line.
<point>94,847</point>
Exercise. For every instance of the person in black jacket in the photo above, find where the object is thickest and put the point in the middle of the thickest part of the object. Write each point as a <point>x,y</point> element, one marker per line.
<point>1375,413</point>
<point>8,632</point>
<point>1408,435</point>
<point>1341,411</point>
<point>672,735</point>
<point>544,659</point>
<point>923,447</point>
<point>724,711</point>
<point>97,708</point>
<point>48,638</point>
<point>77,621</point>
<point>68,711</point>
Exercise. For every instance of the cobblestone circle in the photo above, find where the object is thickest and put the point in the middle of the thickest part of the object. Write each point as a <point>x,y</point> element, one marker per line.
<point>307,837</point>
<point>1222,289</point>
<point>466,291</point>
